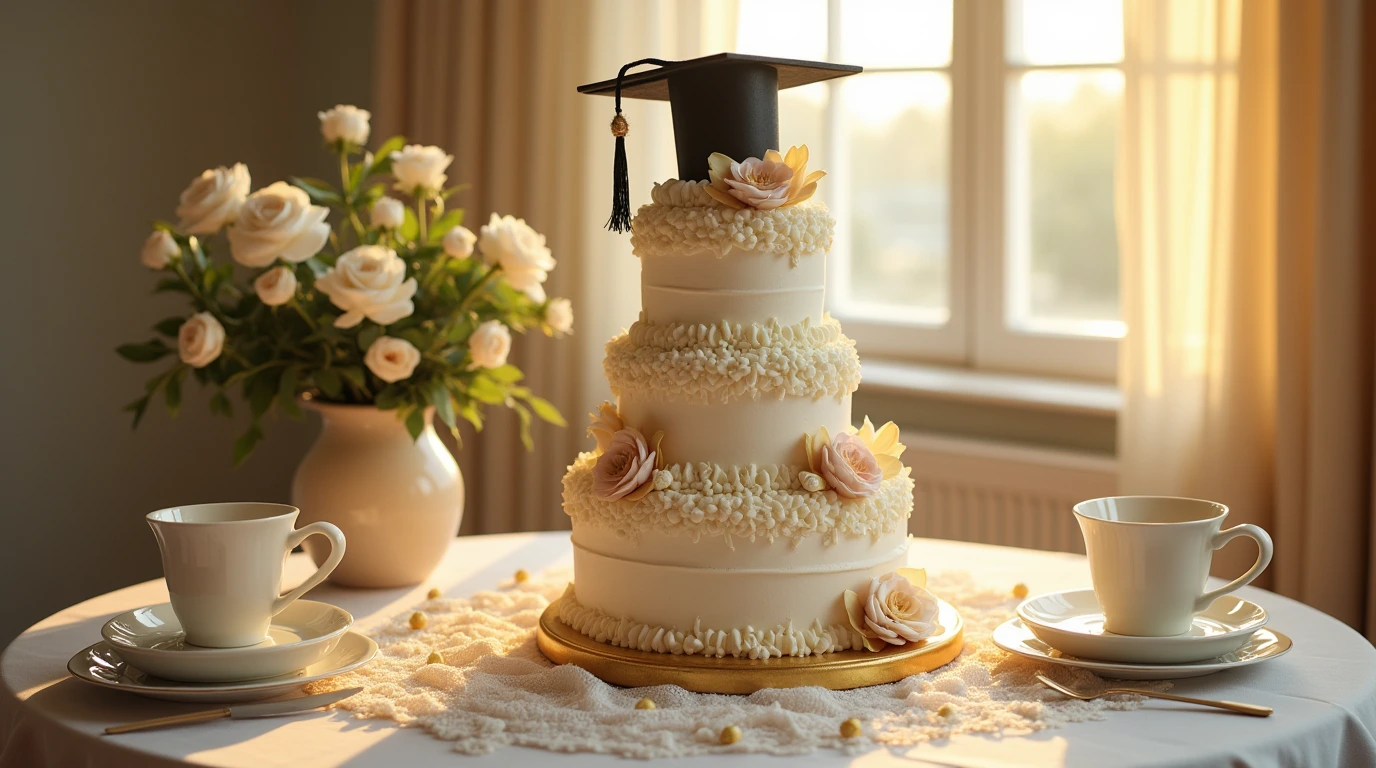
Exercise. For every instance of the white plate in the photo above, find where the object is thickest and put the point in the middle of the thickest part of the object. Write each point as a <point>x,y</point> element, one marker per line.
<point>1072,622</point>
<point>1014,637</point>
<point>152,639</point>
<point>101,665</point>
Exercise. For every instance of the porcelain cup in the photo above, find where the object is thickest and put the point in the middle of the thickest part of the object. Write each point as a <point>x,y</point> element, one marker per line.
<point>1149,559</point>
<point>223,564</point>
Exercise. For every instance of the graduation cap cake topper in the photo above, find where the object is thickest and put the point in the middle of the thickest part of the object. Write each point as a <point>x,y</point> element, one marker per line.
<point>727,103</point>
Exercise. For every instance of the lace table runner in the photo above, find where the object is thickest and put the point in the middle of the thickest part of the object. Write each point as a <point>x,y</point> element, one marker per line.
<point>495,689</point>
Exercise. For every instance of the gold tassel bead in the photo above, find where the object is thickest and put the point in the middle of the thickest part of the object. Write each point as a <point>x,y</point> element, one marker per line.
<point>620,127</point>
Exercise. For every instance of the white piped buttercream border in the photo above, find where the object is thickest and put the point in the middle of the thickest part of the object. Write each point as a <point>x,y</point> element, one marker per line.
<point>747,642</point>
<point>730,362</point>
<point>751,502</point>
<point>685,220</point>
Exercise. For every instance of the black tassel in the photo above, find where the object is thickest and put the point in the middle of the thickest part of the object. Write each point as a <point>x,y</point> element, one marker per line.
<point>620,220</point>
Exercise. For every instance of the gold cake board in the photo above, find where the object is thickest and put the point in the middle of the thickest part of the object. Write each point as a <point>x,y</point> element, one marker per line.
<point>562,644</point>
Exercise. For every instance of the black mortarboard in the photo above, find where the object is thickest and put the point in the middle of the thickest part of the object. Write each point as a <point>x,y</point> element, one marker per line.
<point>727,103</point>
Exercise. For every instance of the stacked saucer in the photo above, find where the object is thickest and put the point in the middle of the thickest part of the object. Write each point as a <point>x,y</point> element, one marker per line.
<point>144,651</point>
<point>1068,628</point>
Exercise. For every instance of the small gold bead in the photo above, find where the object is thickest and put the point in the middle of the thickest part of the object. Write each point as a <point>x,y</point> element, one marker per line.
<point>619,126</point>
<point>521,576</point>
<point>417,620</point>
<point>730,734</point>
<point>851,728</point>
<point>645,704</point>
<point>946,710</point>
<point>433,593</point>
<point>1020,590</point>
<point>434,658</point>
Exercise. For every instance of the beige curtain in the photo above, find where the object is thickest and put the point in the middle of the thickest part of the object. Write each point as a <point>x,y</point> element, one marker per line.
<point>493,82</point>
<point>1248,364</point>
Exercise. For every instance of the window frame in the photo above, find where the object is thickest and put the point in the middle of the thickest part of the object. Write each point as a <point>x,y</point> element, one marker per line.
<point>977,333</point>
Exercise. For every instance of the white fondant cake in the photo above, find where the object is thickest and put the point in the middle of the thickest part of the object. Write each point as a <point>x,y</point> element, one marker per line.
<point>705,523</point>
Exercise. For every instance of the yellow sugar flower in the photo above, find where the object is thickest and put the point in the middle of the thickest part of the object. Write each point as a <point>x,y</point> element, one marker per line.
<point>884,444</point>
<point>777,181</point>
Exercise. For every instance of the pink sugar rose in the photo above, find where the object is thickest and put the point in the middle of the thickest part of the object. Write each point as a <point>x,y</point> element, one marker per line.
<point>626,466</point>
<point>849,467</point>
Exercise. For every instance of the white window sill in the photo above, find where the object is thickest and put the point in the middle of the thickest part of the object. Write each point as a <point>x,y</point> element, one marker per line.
<point>983,387</point>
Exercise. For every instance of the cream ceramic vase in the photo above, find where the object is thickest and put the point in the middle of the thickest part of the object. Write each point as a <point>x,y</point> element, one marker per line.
<point>398,501</point>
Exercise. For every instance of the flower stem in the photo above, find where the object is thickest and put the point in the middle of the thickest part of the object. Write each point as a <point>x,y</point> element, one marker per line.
<point>421,219</point>
<point>296,305</point>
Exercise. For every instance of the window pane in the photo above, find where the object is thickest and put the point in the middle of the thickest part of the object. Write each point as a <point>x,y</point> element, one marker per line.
<point>1064,31</point>
<point>788,29</point>
<point>1062,239</point>
<point>897,128</point>
<point>896,33</point>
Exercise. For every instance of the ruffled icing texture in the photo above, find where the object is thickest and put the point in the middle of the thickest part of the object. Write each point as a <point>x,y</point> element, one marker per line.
<point>747,643</point>
<point>731,362</point>
<point>759,501</point>
<point>684,220</point>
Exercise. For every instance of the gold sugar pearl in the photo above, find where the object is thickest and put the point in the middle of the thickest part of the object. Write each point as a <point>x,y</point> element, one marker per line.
<point>434,658</point>
<point>1020,590</point>
<point>645,704</point>
<point>730,735</point>
<point>417,620</point>
<point>433,593</point>
<point>521,576</point>
<point>851,728</point>
<point>946,710</point>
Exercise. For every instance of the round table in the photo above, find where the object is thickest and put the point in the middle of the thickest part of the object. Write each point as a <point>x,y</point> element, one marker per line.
<point>1323,691</point>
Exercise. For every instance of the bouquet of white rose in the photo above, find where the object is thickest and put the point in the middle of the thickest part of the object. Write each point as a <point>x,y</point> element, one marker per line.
<point>395,312</point>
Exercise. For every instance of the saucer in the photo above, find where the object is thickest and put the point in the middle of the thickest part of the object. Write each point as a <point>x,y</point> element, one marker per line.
<point>1014,637</point>
<point>1072,622</point>
<point>101,665</point>
<point>152,639</point>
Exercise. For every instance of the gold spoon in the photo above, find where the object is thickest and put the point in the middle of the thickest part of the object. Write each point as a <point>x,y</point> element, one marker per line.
<point>1232,706</point>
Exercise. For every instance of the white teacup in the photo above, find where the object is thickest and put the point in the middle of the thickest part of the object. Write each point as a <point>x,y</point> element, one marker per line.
<point>1149,558</point>
<point>223,564</point>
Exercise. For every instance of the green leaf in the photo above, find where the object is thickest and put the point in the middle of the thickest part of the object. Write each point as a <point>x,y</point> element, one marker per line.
<point>137,408</point>
<point>356,174</point>
<point>524,413</point>
<point>415,422</point>
<point>286,391</point>
<point>329,383</point>
<point>382,159</point>
<point>319,191</point>
<point>506,374</point>
<point>261,390</point>
<point>246,443</point>
<point>355,376</point>
<point>410,227</point>
<point>390,398</point>
<point>454,190</point>
<point>546,410</point>
<point>170,326</point>
<point>171,284</point>
<point>485,390</point>
<point>146,352</point>
<point>219,404</point>
<point>368,335</point>
<point>472,414</point>
<point>443,224</point>
<point>444,406</point>
<point>173,391</point>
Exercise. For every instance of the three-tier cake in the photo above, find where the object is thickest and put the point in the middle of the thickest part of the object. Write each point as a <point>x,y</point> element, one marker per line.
<point>731,507</point>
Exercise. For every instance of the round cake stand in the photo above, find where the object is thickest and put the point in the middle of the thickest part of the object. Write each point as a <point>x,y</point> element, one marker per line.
<point>836,671</point>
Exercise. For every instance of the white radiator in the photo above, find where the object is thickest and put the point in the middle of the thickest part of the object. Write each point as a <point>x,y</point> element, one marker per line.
<point>997,494</point>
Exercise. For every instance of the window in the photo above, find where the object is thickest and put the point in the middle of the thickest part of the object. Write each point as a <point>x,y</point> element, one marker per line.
<point>971,173</point>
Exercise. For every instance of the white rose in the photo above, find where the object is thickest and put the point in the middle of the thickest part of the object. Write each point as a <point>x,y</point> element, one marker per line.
<point>458,242</point>
<point>276,286</point>
<point>345,123</point>
<point>520,250</point>
<point>369,281</point>
<point>416,166</point>
<point>387,213</point>
<point>490,344</point>
<point>159,250</point>
<point>200,340</point>
<point>559,315</point>
<point>213,200</point>
<point>392,359</point>
<point>275,222</point>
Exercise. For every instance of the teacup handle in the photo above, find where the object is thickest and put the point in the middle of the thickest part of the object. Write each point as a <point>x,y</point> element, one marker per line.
<point>336,537</point>
<point>1221,538</point>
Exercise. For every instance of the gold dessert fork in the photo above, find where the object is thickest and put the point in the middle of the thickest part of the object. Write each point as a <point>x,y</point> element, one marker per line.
<point>1232,706</point>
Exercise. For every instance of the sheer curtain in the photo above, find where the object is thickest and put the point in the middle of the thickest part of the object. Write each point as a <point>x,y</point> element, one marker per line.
<point>493,82</point>
<point>1247,369</point>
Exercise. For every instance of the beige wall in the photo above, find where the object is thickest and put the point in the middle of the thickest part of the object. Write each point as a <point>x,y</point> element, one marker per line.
<point>107,110</point>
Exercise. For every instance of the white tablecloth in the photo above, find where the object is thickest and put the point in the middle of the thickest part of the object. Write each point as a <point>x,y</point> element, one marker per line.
<point>1323,691</point>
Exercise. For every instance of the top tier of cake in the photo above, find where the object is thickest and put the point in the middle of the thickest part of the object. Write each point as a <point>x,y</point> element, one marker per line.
<point>702,263</point>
